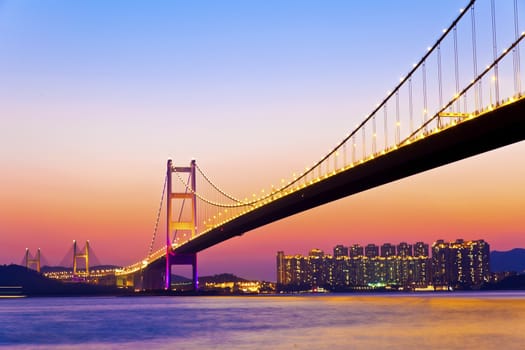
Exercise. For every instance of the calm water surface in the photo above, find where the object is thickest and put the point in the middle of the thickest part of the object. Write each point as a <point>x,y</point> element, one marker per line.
<point>393,321</point>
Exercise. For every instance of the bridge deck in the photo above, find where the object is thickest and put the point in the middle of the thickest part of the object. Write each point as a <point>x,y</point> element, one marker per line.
<point>500,127</point>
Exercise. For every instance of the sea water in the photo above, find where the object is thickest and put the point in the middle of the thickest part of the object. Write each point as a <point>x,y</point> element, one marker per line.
<point>327,321</point>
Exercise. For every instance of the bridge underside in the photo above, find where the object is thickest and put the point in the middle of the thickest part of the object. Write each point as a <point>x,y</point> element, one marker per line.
<point>501,127</point>
<point>153,276</point>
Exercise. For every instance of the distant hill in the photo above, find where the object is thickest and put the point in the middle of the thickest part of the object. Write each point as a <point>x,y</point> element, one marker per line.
<point>34,283</point>
<point>516,282</point>
<point>177,279</point>
<point>223,277</point>
<point>512,260</point>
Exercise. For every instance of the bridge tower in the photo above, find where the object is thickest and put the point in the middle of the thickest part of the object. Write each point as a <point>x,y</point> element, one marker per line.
<point>80,255</point>
<point>178,224</point>
<point>33,262</point>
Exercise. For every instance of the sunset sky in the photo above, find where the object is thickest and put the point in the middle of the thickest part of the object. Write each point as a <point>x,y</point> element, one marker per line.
<point>95,96</point>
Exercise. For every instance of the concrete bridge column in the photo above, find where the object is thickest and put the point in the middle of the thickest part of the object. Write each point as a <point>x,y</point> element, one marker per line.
<point>186,259</point>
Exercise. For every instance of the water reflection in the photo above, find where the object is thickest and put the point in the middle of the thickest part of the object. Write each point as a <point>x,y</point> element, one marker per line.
<point>457,321</point>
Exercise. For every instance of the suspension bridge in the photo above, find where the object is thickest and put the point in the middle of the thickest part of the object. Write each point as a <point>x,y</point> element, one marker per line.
<point>462,98</point>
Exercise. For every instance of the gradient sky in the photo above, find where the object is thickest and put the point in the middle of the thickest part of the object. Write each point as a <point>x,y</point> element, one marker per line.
<point>96,95</point>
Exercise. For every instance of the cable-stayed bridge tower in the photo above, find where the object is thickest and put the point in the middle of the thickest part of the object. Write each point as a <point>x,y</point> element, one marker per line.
<point>82,255</point>
<point>32,262</point>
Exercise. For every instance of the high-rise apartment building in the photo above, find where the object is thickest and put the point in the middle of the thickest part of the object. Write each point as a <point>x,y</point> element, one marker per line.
<point>387,250</point>
<point>404,249</point>
<point>317,268</point>
<point>356,250</point>
<point>460,263</point>
<point>371,251</point>
<point>281,271</point>
<point>441,259</point>
<point>340,250</point>
<point>421,249</point>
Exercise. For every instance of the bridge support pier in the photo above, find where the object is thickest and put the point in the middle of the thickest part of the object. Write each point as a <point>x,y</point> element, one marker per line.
<point>151,278</point>
<point>185,259</point>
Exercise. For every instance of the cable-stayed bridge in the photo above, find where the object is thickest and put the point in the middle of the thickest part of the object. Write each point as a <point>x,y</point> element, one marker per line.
<point>462,98</point>
<point>77,264</point>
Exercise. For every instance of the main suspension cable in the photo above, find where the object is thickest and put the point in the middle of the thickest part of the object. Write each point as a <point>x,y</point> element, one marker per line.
<point>216,187</point>
<point>158,217</point>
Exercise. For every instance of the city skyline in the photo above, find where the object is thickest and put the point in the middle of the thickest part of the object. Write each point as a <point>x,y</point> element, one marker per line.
<point>96,97</point>
<point>458,264</point>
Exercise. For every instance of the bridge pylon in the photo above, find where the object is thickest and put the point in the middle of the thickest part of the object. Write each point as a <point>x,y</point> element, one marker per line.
<point>80,255</point>
<point>33,261</point>
<point>179,224</point>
